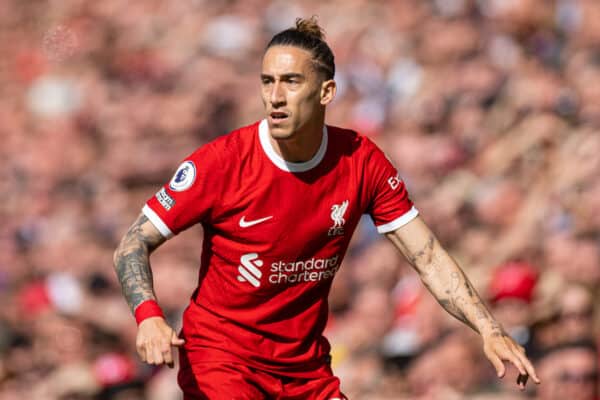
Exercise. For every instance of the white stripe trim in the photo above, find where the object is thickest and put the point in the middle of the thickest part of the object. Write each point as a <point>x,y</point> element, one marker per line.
<point>157,222</point>
<point>264,136</point>
<point>398,222</point>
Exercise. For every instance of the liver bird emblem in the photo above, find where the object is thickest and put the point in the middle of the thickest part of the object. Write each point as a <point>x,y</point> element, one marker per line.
<point>337,214</point>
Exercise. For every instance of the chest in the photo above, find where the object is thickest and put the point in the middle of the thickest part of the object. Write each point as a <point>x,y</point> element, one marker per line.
<point>278,212</point>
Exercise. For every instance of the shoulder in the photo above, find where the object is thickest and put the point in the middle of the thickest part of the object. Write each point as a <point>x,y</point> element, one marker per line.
<point>348,140</point>
<point>236,139</point>
<point>230,144</point>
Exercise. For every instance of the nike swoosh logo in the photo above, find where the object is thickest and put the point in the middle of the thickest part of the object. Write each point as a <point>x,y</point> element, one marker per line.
<point>246,224</point>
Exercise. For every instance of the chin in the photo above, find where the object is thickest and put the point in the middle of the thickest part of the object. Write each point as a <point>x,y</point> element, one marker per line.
<point>279,133</point>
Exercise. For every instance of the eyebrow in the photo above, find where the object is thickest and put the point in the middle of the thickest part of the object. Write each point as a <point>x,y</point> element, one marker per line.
<point>284,76</point>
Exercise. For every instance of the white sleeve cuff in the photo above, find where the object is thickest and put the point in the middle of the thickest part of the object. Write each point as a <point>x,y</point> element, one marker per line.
<point>398,222</point>
<point>157,222</point>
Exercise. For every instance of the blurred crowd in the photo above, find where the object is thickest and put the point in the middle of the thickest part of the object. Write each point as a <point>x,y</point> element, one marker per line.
<point>490,109</point>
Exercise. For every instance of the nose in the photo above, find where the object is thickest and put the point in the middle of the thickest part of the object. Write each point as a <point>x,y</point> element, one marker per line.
<point>277,97</point>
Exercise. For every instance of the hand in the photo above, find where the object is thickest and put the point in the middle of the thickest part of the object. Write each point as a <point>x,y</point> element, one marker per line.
<point>499,347</point>
<point>154,341</point>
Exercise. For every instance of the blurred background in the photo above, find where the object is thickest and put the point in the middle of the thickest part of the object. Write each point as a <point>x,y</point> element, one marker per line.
<point>490,109</point>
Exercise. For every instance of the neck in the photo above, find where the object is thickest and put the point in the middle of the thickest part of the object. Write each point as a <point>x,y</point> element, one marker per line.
<point>302,146</point>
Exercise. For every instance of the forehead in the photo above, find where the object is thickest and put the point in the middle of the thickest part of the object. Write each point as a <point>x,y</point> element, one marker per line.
<point>279,60</point>
<point>576,298</point>
<point>574,360</point>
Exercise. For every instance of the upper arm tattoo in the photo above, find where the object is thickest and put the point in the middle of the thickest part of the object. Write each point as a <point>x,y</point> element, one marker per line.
<point>139,233</point>
<point>132,262</point>
<point>425,254</point>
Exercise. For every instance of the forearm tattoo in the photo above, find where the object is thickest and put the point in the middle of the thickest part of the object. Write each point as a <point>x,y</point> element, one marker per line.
<point>452,289</point>
<point>132,263</point>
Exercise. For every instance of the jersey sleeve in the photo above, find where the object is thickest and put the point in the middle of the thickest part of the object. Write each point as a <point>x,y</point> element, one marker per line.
<point>390,206</point>
<point>190,195</point>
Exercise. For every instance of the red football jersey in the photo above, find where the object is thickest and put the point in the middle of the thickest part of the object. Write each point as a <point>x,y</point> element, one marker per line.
<point>275,233</point>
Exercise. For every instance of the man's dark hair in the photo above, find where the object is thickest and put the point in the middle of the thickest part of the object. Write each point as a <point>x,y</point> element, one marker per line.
<point>582,344</point>
<point>308,35</point>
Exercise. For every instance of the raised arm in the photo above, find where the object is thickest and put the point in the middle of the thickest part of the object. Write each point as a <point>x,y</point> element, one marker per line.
<point>132,265</point>
<point>452,289</point>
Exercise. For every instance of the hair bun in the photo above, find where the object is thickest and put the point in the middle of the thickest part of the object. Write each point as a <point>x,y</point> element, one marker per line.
<point>310,27</point>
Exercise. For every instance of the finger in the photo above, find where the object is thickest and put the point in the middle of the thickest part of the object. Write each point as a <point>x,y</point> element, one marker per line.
<point>497,363</point>
<point>149,354</point>
<point>158,354</point>
<point>516,355</point>
<point>141,350</point>
<point>523,376</point>
<point>171,363</point>
<point>529,367</point>
<point>507,354</point>
<point>167,355</point>
<point>176,341</point>
<point>514,360</point>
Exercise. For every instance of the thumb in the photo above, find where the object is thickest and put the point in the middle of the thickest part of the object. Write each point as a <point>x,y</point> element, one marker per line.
<point>176,341</point>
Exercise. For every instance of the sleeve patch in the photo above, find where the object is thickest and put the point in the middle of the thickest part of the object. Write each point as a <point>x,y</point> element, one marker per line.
<point>394,181</point>
<point>165,200</point>
<point>184,177</point>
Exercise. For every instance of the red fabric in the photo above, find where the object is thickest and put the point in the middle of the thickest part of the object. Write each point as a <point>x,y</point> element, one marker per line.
<point>225,381</point>
<point>114,369</point>
<point>147,309</point>
<point>262,294</point>
<point>515,280</point>
<point>29,65</point>
<point>33,299</point>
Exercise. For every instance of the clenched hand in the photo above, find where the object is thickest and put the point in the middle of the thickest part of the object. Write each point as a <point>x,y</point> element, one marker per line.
<point>154,342</point>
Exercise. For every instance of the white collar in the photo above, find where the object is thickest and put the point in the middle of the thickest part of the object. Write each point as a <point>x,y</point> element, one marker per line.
<point>264,136</point>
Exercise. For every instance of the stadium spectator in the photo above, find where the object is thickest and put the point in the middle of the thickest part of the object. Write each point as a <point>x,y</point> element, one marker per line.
<point>569,371</point>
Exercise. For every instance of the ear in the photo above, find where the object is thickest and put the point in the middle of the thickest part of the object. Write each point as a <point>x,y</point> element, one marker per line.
<point>328,90</point>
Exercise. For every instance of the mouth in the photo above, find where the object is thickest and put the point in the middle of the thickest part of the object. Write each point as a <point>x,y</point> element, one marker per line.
<point>277,117</point>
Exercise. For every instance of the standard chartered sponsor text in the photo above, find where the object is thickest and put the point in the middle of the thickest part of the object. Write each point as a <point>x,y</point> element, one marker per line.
<point>311,270</point>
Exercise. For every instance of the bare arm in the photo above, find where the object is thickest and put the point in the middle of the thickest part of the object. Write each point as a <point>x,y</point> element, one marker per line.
<point>132,261</point>
<point>443,277</point>
<point>452,289</point>
<point>132,265</point>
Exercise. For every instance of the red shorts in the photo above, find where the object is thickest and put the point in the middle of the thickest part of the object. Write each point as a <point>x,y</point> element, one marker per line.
<point>234,381</point>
